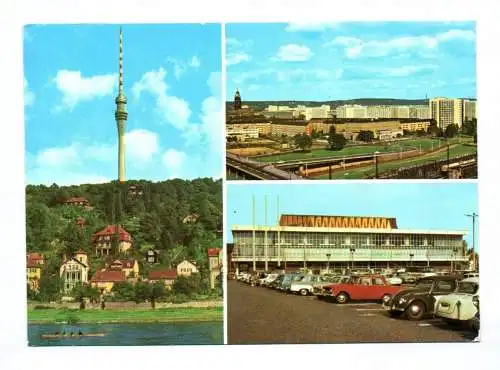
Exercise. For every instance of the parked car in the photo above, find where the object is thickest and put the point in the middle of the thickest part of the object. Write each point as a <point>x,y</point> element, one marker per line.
<point>304,286</point>
<point>275,284</point>
<point>287,281</point>
<point>365,288</point>
<point>476,319</point>
<point>268,279</point>
<point>468,275</point>
<point>393,279</point>
<point>320,290</point>
<point>420,300</point>
<point>460,307</point>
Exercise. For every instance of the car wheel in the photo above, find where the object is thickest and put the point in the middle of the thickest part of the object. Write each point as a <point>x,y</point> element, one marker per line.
<point>386,298</point>
<point>415,311</point>
<point>303,292</point>
<point>342,298</point>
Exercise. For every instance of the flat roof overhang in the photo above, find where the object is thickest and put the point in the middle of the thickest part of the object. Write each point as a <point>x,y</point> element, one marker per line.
<point>346,230</point>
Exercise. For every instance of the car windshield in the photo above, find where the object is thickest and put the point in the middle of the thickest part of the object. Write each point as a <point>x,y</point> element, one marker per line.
<point>467,287</point>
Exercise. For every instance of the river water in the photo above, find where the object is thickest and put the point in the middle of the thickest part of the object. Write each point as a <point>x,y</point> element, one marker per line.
<point>193,333</point>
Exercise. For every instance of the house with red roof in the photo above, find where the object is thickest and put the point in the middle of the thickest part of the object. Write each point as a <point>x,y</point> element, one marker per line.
<point>34,264</point>
<point>104,280</point>
<point>129,266</point>
<point>102,240</point>
<point>168,276</point>
<point>215,264</point>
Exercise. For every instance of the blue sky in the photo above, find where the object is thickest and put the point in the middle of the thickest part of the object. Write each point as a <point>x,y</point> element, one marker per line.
<point>172,83</point>
<point>415,205</point>
<point>328,61</point>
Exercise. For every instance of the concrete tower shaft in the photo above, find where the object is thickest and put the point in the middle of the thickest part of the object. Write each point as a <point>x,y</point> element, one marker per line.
<point>121,117</point>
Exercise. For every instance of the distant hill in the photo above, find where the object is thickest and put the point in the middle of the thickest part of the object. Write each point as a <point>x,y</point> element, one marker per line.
<point>260,105</point>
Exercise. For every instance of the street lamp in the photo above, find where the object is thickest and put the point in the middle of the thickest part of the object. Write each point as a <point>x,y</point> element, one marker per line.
<point>352,250</point>
<point>454,259</point>
<point>328,255</point>
<point>411,259</point>
<point>473,216</point>
<point>376,163</point>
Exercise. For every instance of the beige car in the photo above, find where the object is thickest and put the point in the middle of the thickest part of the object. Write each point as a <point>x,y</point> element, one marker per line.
<point>462,305</point>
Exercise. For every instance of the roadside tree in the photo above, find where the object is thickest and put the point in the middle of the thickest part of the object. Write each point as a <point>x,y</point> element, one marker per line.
<point>304,141</point>
<point>451,131</point>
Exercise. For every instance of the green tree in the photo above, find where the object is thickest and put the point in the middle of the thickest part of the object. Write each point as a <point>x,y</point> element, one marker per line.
<point>434,130</point>
<point>303,141</point>
<point>142,291</point>
<point>336,141</point>
<point>157,292</point>
<point>31,294</point>
<point>124,291</point>
<point>187,285</point>
<point>451,131</point>
<point>366,136</point>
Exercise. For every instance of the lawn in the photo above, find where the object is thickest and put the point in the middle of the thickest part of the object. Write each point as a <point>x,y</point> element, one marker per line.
<point>126,316</point>
<point>423,144</point>
<point>363,172</point>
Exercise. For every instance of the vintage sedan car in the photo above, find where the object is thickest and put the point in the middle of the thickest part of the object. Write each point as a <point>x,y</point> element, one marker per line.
<point>305,285</point>
<point>363,288</point>
<point>460,307</point>
<point>320,290</point>
<point>287,281</point>
<point>268,279</point>
<point>420,300</point>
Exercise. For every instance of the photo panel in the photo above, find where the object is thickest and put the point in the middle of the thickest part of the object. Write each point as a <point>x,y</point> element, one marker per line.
<point>363,262</point>
<point>123,184</point>
<point>351,100</point>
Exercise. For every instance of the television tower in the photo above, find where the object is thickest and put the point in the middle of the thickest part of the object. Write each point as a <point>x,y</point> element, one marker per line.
<point>121,117</point>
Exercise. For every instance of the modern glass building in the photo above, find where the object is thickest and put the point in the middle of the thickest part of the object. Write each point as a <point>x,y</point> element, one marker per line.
<point>338,242</point>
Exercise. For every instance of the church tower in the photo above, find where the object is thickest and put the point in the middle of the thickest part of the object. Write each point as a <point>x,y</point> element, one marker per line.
<point>121,117</point>
<point>237,100</point>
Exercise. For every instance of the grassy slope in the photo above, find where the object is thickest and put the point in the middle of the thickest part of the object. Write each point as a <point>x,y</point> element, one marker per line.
<point>370,170</point>
<point>425,144</point>
<point>124,316</point>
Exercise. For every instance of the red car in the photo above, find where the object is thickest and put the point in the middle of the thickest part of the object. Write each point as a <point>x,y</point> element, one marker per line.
<point>363,288</point>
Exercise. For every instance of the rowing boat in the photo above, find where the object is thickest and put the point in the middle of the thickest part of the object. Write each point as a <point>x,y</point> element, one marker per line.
<point>66,336</point>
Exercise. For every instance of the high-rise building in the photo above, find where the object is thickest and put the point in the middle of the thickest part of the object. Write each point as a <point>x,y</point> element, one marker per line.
<point>351,111</point>
<point>237,100</point>
<point>121,117</point>
<point>420,112</point>
<point>317,112</point>
<point>446,111</point>
<point>469,110</point>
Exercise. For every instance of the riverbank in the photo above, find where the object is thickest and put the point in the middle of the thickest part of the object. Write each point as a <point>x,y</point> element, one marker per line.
<point>159,315</point>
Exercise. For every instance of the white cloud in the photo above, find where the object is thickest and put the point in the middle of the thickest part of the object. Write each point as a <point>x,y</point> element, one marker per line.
<point>57,157</point>
<point>465,35</point>
<point>29,96</point>
<point>408,70</point>
<point>76,88</point>
<point>355,47</point>
<point>174,160</point>
<point>195,62</point>
<point>141,144</point>
<point>311,26</point>
<point>232,42</point>
<point>236,58</point>
<point>293,53</point>
<point>173,109</point>
<point>100,152</point>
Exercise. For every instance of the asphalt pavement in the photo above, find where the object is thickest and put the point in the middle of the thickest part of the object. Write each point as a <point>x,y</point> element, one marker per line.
<point>264,316</point>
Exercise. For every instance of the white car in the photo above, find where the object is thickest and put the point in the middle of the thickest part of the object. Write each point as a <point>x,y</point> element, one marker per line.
<point>268,279</point>
<point>305,285</point>
<point>462,305</point>
<point>394,280</point>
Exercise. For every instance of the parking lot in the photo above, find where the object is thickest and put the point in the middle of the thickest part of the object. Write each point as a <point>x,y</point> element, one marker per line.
<point>264,316</point>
